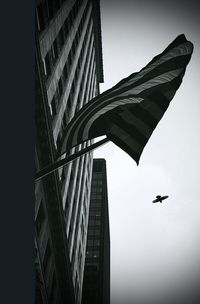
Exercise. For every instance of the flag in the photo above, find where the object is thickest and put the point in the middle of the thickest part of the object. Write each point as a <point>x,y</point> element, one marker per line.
<point>129,112</point>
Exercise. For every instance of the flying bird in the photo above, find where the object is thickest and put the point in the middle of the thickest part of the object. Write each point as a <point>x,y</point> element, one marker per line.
<point>160,198</point>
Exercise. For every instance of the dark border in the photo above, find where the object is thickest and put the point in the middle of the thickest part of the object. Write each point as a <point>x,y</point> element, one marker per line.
<point>17,152</point>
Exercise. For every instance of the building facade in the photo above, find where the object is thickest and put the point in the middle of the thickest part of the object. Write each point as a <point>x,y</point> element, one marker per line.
<point>96,283</point>
<point>68,72</point>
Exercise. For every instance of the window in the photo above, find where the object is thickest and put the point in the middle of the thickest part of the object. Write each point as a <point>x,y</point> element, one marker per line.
<point>76,286</point>
<point>61,38</point>
<point>55,50</point>
<point>64,120</point>
<point>40,17</point>
<point>99,196</point>
<point>90,232</point>
<point>53,289</point>
<point>66,27</point>
<point>79,258</point>
<point>63,175</point>
<point>70,58</point>
<point>60,87</point>
<point>58,141</point>
<point>99,189</point>
<point>96,242</point>
<point>65,72</point>
<point>91,222</point>
<point>47,256</point>
<point>50,8</point>
<point>53,106</point>
<point>57,5</point>
<point>97,232</point>
<point>69,102</point>
<point>40,218</point>
<point>97,223</point>
<point>47,65</point>
<point>90,243</point>
<point>95,254</point>
<point>82,229</point>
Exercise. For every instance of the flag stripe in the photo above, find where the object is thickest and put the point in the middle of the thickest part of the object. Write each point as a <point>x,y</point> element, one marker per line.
<point>128,128</point>
<point>136,122</point>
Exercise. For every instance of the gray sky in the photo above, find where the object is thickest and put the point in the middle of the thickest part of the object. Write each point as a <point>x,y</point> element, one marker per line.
<point>155,248</point>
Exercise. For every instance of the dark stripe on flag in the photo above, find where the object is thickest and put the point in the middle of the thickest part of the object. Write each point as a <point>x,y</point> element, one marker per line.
<point>128,128</point>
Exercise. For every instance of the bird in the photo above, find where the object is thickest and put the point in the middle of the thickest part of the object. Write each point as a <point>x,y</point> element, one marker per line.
<point>160,198</point>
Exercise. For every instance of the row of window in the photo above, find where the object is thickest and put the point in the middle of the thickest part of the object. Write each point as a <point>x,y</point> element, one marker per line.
<point>40,220</point>
<point>77,204</point>
<point>92,254</point>
<point>96,196</point>
<point>93,243</point>
<point>80,97</point>
<point>95,212</point>
<point>39,223</point>
<point>76,286</point>
<point>63,81</point>
<point>97,182</point>
<point>58,43</point>
<point>96,189</point>
<point>69,190</point>
<point>47,9</point>
<point>95,232</point>
<point>94,222</point>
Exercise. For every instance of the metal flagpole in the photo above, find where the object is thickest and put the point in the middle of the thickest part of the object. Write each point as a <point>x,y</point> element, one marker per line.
<point>60,163</point>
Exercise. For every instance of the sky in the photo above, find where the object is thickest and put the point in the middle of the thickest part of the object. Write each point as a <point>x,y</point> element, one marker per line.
<point>155,248</point>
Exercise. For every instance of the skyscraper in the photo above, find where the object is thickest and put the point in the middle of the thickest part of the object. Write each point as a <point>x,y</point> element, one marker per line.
<point>96,284</point>
<point>68,72</point>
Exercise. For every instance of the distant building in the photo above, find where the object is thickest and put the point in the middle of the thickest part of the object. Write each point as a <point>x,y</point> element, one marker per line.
<point>68,72</point>
<point>96,284</point>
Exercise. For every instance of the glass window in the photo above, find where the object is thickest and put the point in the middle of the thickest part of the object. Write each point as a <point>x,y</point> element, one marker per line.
<point>90,232</point>
<point>90,243</point>
<point>99,189</point>
<point>40,217</point>
<point>40,16</point>
<point>46,256</point>
<point>95,254</point>
<point>99,196</point>
<point>97,223</point>
<point>53,106</point>
<point>47,65</point>
<point>65,72</point>
<point>60,87</point>
<point>91,222</point>
<point>55,49</point>
<point>50,8</point>
<point>97,232</point>
<point>96,242</point>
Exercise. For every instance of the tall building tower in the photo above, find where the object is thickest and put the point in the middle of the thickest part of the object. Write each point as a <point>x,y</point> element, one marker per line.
<point>68,72</point>
<point>96,284</point>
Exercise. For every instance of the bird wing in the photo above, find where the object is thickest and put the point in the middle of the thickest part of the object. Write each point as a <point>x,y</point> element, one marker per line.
<point>164,197</point>
<point>155,201</point>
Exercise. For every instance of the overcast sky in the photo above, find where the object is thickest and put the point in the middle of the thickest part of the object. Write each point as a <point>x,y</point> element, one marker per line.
<point>155,248</point>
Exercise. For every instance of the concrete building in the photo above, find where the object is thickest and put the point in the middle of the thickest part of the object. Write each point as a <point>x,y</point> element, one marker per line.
<point>68,72</point>
<point>96,284</point>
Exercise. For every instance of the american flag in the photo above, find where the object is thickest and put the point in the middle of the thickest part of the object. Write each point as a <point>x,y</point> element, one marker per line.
<point>129,112</point>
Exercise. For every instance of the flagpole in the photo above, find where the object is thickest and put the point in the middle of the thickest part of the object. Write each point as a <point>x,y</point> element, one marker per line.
<point>60,163</point>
